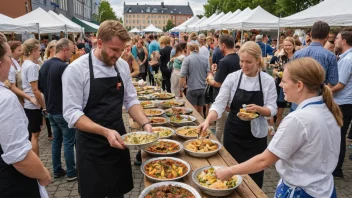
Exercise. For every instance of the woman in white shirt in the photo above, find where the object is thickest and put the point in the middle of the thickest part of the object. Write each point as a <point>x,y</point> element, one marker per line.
<point>306,145</point>
<point>181,51</point>
<point>20,168</point>
<point>254,88</point>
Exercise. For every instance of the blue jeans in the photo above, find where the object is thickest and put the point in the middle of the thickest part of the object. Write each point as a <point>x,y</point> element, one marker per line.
<point>65,135</point>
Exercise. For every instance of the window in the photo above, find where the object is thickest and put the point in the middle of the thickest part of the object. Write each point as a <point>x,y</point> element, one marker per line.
<point>130,10</point>
<point>148,9</point>
<point>137,15</point>
<point>142,11</point>
<point>171,12</point>
<point>26,4</point>
<point>126,21</point>
<point>159,16</point>
<point>44,2</point>
<point>137,21</point>
<point>154,10</point>
<point>133,21</point>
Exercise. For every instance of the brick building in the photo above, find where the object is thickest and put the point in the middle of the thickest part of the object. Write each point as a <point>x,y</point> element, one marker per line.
<point>15,8</point>
<point>140,16</point>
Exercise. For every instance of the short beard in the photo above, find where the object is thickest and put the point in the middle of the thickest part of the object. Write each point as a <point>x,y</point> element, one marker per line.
<point>338,50</point>
<point>106,59</point>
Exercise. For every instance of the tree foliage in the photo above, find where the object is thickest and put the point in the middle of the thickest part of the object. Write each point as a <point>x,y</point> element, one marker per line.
<point>276,7</point>
<point>106,13</point>
<point>169,26</point>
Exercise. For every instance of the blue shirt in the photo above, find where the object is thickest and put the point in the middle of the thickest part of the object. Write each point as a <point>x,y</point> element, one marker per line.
<point>344,96</point>
<point>153,46</point>
<point>266,49</point>
<point>134,52</point>
<point>326,58</point>
<point>217,56</point>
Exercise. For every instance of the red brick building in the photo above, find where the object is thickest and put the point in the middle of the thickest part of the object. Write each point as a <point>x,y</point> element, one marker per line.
<point>15,8</point>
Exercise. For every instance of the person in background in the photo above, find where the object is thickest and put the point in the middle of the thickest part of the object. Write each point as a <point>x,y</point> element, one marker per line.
<point>217,55</point>
<point>230,63</point>
<point>254,88</point>
<point>131,61</point>
<point>153,47</point>
<point>79,51</point>
<point>50,50</point>
<point>203,50</point>
<point>308,40</point>
<point>193,38</point>
<point>20,168</point>
<point>343,91</point>
<point>142,54</point>
<point>195,68</point>
<point>30,74</point>
<point>181,51</point>
<point>329,45</point>
<point>266,48</point>
<point>165,52</point>
<point>94,42</point>
<point>310,134</point>
<point>133,43</point>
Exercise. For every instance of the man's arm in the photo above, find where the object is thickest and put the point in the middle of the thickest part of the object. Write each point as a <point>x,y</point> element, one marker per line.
<point>337,87</point>
<point>333,73</point>
<point>136,112</point>
<point>38,94</point>
<point>135,67</point>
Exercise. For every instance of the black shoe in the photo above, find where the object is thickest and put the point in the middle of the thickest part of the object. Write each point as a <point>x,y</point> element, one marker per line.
<point>337,174</point>
<point>71,179</point>
<point>61,173</point>
<point>137,163</point>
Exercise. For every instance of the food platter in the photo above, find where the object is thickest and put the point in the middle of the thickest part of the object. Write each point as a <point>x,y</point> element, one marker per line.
<point>163,96</point>
<point>158,121</point>
<point>210,185</point>
<point>146,97</point>
<point>164,132</point>
<point>153,112</point>
<point>182,120</point>
<point>179,189</point>
<point>164,147</point>
<point>187,132</point>
<point>178,111</point>
<point>201,148</point>
<point>139,140</point>
<point>165,169</point>
<point>172,103</point>
<point>145,92</point>
<point>148,104</point>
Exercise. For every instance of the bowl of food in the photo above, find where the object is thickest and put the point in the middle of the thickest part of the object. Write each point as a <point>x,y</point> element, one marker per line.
<point>172,103</point>
<point>164,132</point>
<point>202,147</point>
<point>207,182</point>
<point>145,92</point>
<point>182,120</point>
<point>163,96</point>
<point>146,97</point>
<point>246,116</point>
<point>162,148</point>
<point>148,104</point>
<point>165,169</point>
<point>169,189</point>
<point>158,121</point>
<point>153,112</point>
<point>187,132</point>
<point>178,111</point>
<point>139,140</point>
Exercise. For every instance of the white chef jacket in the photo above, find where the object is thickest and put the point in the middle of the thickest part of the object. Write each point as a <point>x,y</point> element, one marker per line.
<point>308,145</point>
<point>30,73</point>
<point>76,85</point>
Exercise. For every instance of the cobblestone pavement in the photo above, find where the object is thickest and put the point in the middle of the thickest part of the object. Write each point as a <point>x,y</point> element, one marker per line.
<point>61,188</point>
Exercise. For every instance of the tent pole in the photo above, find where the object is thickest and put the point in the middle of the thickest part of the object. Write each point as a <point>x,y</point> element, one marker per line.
<point>278,34</point>
<point>66,35</point>
<point>242,36</point>
<point>38,31</point>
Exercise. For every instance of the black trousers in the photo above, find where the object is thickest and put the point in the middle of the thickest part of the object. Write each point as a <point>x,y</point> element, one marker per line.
<point>166,83</point>
<point>48,127</point>
<point>347,117</point>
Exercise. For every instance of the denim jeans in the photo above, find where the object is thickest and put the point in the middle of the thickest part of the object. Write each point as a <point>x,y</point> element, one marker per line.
<point>65,135</point>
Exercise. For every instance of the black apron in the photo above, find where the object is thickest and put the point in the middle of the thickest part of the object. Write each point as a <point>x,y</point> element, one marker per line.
<point>238,137</point>
<point>103,171</point>
<point>14,184</point>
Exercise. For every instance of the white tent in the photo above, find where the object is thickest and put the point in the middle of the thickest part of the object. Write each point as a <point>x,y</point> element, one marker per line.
<point>238,18</point>
<point>196,27</point>
<point>190,28</point>
<point>135,30</point>
<point>182,27</point>
<point>152,28</point>
<point>258,19</point>
<point>71,26</point>
<point>334,12</point>
<point>8,24</point>
<point>214,24</point>
<point>204,26</point>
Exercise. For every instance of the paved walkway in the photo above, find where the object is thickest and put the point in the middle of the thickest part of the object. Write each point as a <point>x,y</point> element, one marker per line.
<point>62,188</point>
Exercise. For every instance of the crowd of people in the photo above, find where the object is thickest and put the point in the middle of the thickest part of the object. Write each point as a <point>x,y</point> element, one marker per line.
<point>77,89</point>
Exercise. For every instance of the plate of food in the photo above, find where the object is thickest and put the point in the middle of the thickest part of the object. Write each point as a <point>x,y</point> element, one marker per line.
<point>165,169</point>
<point>172,103</point>
<point>246,116</point>
<point>153,112</point>
<point>202,147</point>
<point>182,120</point>
<point>178,111</point>
<point>163,96</point>
<point>187,132</point>
<point>148,104</point>
<point>158,121</point>
<point>146,97</point>
<point>139,140</point>
<point>169,189</point>
<point>207,182</point>
<point>164,148</point>
<point>164,132</point>
<point>145,92</point>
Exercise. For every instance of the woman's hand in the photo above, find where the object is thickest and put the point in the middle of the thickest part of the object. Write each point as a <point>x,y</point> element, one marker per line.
<point>224,174</point>
<point>34,101</point>
<point>180,94</point>
<point>203,127</point>
<point>172,60</point>
<point>252,108</point>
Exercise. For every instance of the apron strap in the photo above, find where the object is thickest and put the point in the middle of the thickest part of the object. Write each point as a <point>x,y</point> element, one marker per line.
<point>91,67</point>
<point>239,82</point>
<point>260,82</point>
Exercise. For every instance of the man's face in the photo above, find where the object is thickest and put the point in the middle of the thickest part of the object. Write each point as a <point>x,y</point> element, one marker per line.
<point>111,50</point>
<point>338,43</point>
<point>69,52</point>
<point>222,48</point>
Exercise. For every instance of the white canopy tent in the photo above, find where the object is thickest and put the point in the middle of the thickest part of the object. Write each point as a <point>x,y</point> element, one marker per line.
<point>333,12</point>
<point>238,18</point>
<point>204,26</point>
<point>71,26</point>
<point>258,19</point>
<point>217,24</point>
<point>196,27</point>
<point>152,28</point>
<point>182,27</point>
<point>135,30</point>
<point>190,28</point>
<point>8,24</point>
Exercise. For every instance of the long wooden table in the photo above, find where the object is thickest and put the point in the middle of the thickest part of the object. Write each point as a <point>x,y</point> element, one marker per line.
<point>247,189</point>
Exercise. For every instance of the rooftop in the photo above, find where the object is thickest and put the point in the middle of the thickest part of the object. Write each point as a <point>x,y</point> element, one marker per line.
<point>158,9</point>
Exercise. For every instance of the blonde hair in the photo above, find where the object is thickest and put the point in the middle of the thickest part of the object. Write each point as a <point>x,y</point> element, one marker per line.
<point>30,45</point>
<point>193,47</point>
<point>165,40</point>
<point>253,49</point>
<point>47,50</point>
<point>110,28</point>
<point>312,75</point>
<point>193,36</point>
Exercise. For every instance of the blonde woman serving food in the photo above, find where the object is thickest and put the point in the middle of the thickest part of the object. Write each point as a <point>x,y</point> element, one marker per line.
<point>255,89</point>
<point>306,145</point>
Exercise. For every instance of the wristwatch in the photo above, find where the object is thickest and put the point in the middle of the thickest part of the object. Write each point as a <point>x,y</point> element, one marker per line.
<point>145,124</point>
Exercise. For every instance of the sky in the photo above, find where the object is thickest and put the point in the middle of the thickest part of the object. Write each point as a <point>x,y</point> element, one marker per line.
<point>196,5</point>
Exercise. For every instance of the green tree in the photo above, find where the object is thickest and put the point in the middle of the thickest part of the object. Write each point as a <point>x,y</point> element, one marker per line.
<point>168,26</point>
<point>105,13</point>
<point>200,16</point>
<point>289,7</point>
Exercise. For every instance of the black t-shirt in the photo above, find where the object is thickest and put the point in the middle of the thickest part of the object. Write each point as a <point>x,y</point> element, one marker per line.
<point>227,65</point>
<point>164,59</point>
<point>50,84</point>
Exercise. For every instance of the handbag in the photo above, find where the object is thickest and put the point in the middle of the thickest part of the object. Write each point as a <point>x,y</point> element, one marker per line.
<point>208,93</point>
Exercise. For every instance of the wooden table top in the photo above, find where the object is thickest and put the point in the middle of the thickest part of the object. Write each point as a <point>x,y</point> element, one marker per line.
<point>247,189</point>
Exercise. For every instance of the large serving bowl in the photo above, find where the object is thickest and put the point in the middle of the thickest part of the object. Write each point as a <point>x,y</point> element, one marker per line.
<point>140,146</point>
<point>179,184</point>
<point>154,121</point>
<point>163,96</point>
<point>187,120</point>
<point>180,147</point>
<point>201,154</point>
<point>177,131</point>
<point>162,158</point>
<point>172,103</point>
<point>164,136</point>
<point>148,104</point>
<point>178,111</point>
<point>214,192</point>
<point>153,112</point>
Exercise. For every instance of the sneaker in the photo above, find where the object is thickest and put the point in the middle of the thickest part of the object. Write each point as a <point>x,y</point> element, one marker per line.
<point>61,173</point>
<point>72,178</point>
<point>137,163</point>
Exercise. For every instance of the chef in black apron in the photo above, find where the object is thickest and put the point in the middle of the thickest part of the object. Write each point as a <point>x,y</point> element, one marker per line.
<point>245,139</point>
<point>103,162</point>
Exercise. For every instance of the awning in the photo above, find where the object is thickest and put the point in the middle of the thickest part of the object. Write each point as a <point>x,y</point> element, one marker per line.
<point>88,26</point>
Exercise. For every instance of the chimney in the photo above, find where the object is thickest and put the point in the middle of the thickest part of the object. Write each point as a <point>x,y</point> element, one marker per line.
<point>188,3</point>
<point>162,4</point>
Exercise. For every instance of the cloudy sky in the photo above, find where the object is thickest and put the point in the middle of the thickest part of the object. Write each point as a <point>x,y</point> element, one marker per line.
<point>196,5</point>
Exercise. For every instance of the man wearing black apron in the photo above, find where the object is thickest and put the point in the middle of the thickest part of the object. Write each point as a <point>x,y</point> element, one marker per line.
<point>238,137</point>
<point>103,163</point>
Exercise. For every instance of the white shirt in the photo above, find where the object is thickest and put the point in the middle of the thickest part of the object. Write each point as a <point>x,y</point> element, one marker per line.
<point>13,71</point>
<point>308,145</point>
<point>30,73</point>
<point>204,52</point>
<point>13,131</point>
<point>227,91</point>
<point>76,85</point>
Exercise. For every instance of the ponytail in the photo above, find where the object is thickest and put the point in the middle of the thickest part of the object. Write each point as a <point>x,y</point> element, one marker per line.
<point>333,107</point>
